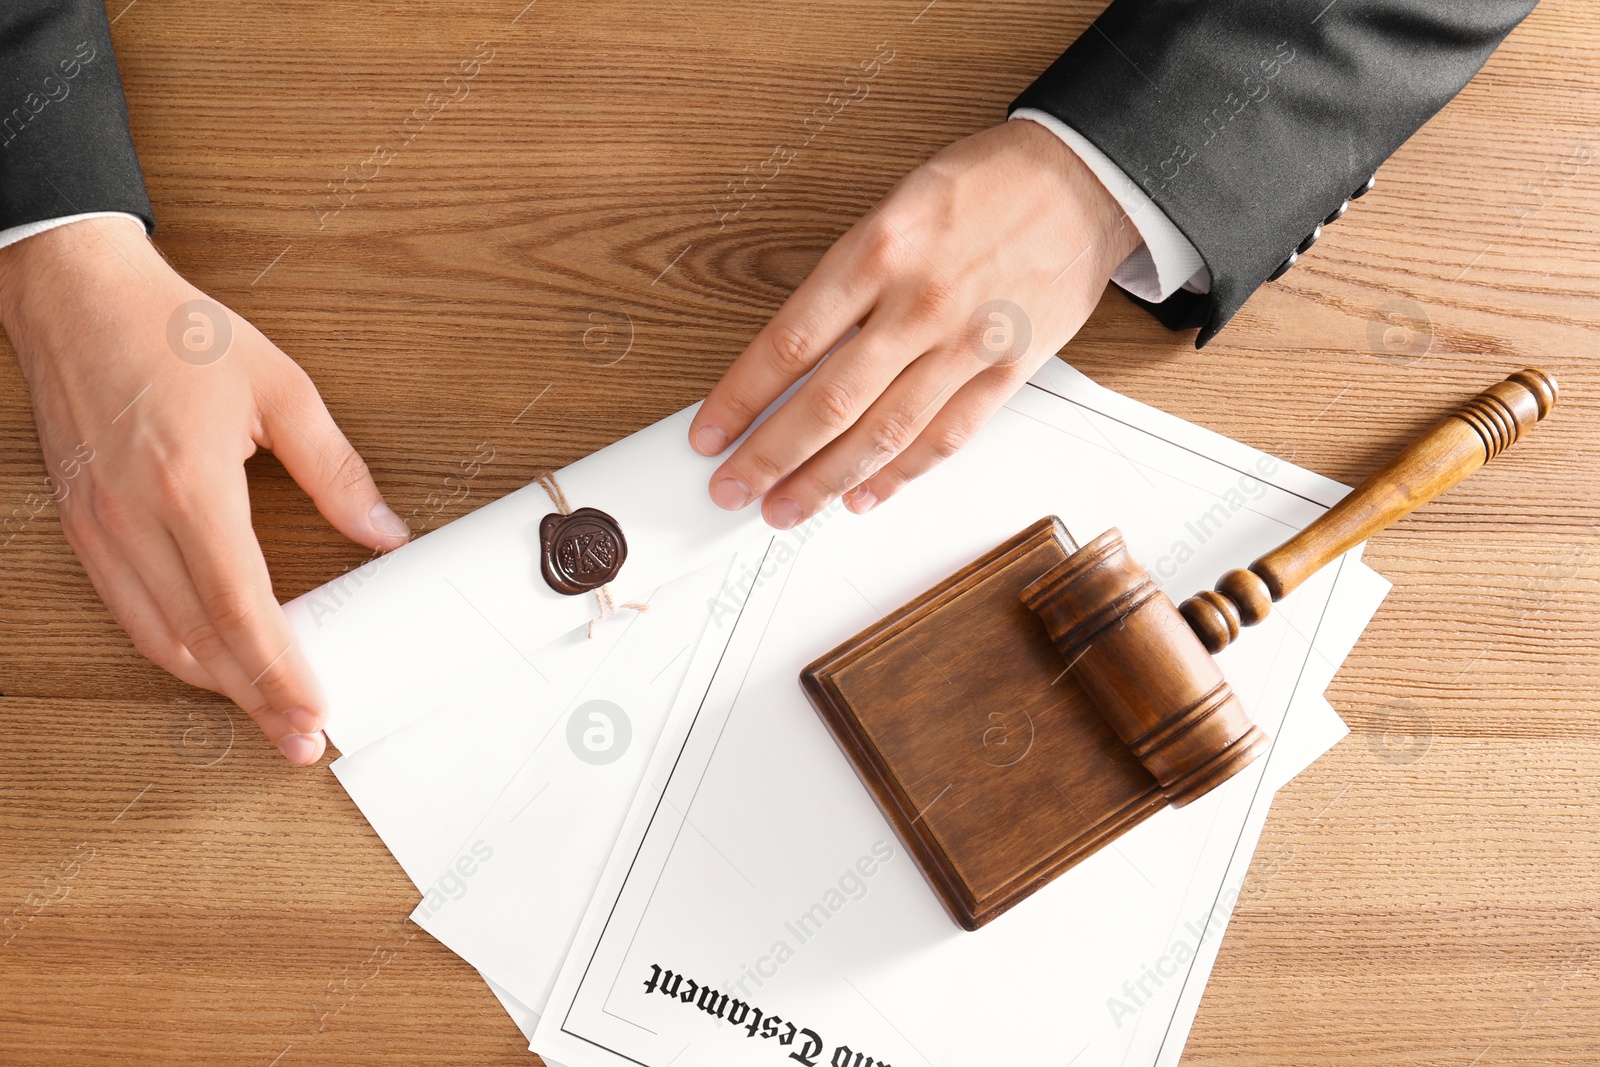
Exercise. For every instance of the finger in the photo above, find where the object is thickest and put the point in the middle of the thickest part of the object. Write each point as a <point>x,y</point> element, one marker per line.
<point>154,553</point>
<point>124,594</point>
<point>302,434</point>
<point>836,295</point>
<point>945,435</point>
<point>219,549</point>
<point>827,405</point>
<point>883,432</point>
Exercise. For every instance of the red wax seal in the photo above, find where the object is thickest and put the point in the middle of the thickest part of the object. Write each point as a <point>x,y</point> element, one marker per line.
<point>582,551</point>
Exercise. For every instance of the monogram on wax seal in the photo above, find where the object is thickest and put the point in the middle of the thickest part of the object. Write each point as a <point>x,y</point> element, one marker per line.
<point>581,551</point>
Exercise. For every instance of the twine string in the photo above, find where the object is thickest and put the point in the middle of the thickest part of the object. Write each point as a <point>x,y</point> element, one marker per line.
<point>547,482</point>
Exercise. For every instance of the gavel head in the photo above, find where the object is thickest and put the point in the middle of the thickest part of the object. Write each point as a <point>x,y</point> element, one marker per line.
<point>1145,670</point>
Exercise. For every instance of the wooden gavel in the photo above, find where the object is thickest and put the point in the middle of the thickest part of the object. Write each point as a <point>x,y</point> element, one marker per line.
<point>1147,664</point>
<point>1122,707</point>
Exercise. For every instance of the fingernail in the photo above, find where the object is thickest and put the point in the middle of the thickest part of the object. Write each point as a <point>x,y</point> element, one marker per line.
<point>784,514</point>
<point>710,440</point>
<point>301,749</point>
<point>303,720</point>
<point>386,522</point>
<point>861,499</point>
<point>730,494</point>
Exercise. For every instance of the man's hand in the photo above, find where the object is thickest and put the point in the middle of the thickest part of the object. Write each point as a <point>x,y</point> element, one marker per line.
<point>149,397</point>
<point>974,269</point>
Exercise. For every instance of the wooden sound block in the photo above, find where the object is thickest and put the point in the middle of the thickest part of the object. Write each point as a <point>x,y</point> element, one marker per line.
<point>985,753</point>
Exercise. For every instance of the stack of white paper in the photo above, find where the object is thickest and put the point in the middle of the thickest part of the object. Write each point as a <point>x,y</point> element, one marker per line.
<point>647,842</point>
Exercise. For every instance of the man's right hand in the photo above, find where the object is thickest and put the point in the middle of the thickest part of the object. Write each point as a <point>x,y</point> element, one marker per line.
<point>148,398</point>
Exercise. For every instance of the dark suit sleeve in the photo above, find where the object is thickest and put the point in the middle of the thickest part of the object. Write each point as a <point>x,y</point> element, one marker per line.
<point>65,148</point>
<point>1251,122</point>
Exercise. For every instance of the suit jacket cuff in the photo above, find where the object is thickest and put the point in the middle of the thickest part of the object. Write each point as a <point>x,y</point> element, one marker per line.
<point>65,147</point>
<point>1250,125</point>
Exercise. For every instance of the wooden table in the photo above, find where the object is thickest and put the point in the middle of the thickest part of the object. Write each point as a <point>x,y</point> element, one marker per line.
<point>1426,894</point>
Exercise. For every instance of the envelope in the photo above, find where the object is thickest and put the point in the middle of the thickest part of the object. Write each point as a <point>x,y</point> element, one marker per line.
<point>392,640</point>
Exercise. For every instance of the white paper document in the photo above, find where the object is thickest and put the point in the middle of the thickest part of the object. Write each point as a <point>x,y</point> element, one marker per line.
<point>759,909</point>
<point>483,739</point>
<point>427,784</point>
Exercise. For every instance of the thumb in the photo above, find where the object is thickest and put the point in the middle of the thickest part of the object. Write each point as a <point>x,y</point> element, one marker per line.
<point>311,447</point>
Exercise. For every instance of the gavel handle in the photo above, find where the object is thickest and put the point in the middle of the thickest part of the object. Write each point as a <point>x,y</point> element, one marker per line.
<point>1484,427</point>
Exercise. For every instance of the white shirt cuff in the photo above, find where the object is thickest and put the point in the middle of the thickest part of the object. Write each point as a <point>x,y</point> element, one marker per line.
<point>30,229</point>
<point>1166,261</point>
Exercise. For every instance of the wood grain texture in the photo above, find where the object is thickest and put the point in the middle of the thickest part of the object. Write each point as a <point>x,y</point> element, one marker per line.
<point>1427,894</point>
<point>1434,463</point>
